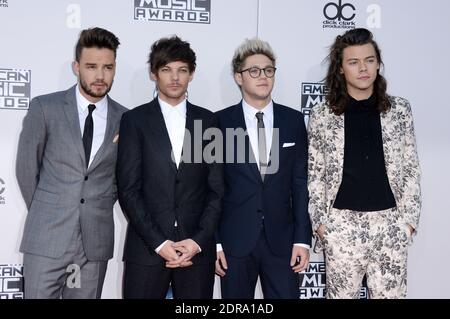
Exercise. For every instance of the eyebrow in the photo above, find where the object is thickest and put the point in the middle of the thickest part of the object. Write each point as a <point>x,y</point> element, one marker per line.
<point>176,68</point>
<point>369,57</point>
<point>256,66</point>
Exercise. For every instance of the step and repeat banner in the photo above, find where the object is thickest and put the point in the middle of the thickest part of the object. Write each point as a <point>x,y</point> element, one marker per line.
<point>37,47</point>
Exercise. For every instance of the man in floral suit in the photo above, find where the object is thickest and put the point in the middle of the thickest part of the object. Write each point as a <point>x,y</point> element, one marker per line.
<point>363,174</point>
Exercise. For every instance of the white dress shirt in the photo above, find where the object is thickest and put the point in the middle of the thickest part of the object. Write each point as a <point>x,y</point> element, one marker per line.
<point>251,122</point>
<point>175,119</point>
<point>99,117</point>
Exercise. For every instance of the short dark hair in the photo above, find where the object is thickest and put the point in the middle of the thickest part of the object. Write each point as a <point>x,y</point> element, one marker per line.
<point>96,38</point>
<point>337,97</point>
<point>172,49</point>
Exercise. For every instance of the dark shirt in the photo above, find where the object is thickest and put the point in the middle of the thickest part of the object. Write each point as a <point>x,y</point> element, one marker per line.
<point>365,185</point>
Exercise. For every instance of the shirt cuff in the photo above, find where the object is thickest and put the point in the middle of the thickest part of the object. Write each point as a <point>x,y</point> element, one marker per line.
<point>160,246</point>
<point>199,249</point>
<point>219,247</point>
<point>302,245</point>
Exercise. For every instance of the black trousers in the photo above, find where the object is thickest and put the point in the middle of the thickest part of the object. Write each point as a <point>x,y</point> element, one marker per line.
<point>152,282</point>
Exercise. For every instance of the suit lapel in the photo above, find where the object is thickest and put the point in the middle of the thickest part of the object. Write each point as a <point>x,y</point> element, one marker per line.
<point>111,119</point>
<point>276,138</point>
<point>388,144</point>
<point>159,130</point>
<point>188,152</point>
<point>239,119</point>
<point>336,138</point>
<point>71,111</point>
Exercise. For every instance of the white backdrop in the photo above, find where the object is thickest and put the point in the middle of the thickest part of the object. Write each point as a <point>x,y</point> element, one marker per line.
<point>39,36</point>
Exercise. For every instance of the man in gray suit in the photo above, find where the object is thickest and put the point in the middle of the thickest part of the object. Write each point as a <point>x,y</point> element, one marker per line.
<point>65,169</point>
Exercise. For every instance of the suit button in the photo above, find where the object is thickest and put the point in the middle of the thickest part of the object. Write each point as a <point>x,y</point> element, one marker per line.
<point>259,211</point>
<point>82,201</point>
<point>86,178</point>
<point>177,181</point>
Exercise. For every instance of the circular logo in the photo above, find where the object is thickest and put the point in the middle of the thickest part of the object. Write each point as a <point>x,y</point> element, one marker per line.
<point>333,11</point>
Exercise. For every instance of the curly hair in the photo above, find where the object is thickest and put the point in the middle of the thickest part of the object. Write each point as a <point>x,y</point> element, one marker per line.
<point>337,96</point>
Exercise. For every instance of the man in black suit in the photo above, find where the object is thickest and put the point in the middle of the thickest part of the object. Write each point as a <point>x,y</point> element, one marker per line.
<point>170,193</point>
<point>265,228</point>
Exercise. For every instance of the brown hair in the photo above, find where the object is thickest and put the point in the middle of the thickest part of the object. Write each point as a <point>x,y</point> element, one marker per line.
<point>172,49</point>
<point>96,38</point>
<point>337,96</point>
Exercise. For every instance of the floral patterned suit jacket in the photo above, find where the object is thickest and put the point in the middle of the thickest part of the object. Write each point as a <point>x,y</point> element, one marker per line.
<point>326,160</point>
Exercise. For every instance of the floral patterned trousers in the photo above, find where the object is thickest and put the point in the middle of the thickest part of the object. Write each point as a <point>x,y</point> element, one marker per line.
<point>374,244</point>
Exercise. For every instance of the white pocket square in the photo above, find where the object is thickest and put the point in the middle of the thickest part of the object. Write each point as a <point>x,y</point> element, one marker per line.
<point>288,144</point>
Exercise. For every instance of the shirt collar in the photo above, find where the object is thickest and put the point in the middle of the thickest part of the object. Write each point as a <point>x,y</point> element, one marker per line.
<point>250,111</point>
<point>83,103</point>
<point>367,104</point>
<point>167,109</point>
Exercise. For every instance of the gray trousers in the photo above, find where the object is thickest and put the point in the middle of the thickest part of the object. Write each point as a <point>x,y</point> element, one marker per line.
<point>70,277</point>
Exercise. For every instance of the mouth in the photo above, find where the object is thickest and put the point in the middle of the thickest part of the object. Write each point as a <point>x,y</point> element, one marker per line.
<point>99,85</point>
<point>364,78</point>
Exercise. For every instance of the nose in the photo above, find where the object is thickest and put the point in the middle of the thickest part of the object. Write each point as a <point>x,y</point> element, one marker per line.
<point>262,74</point>
<point>100,74</point>
<point>362,67</point>
<point>175,75</point>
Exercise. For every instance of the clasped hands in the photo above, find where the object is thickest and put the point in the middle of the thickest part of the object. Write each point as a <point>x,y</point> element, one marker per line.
<point>179,254</point>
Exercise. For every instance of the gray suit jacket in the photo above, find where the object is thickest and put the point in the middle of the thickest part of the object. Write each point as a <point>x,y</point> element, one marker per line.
<point>57,188</point>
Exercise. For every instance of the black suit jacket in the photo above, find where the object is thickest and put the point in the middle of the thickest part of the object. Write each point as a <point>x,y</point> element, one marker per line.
<point>154,194</point>
<point>282,198</point>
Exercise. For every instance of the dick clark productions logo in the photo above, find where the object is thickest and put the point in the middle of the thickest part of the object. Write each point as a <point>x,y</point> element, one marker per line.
<point>339,15</point>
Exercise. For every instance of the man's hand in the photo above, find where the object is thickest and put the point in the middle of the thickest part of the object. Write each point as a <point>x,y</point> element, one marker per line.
<point>411,230</point>
<point>186,249</point>
<point>321,231</point>
<point>221,263</point>
<point>303,254</point>
<point>169,253</point>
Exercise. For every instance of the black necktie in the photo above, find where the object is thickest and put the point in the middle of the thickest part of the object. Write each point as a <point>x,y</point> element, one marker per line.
<point>262,144</point>
<point>88,134</point>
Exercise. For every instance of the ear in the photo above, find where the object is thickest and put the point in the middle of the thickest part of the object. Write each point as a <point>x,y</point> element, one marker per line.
<point>153,77</point>
<point>341,70</point>
<point>191,76</point>
<point>76,68</point>
<point>238,78</point>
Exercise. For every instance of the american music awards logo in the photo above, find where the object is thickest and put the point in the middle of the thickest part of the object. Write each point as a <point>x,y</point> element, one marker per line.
<point>187,11</point>
<point>11,281</point>
<point>313,282</point>
<point>2,190</point>
<point>312,94</point>
<point>15,89</point>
